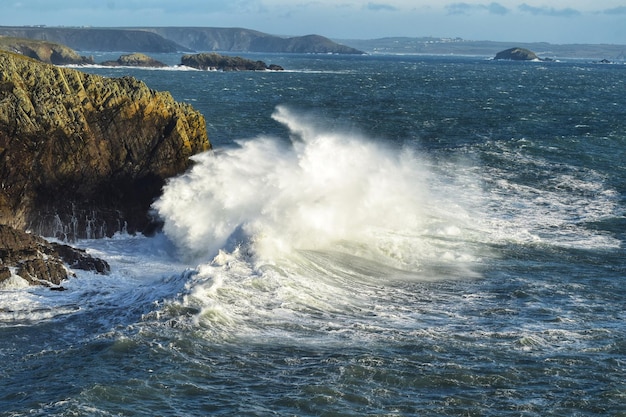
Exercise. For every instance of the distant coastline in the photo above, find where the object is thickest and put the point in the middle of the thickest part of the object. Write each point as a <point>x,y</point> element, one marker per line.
<point>177,39</point>
<point>458,46</point>
<point>241,40</point>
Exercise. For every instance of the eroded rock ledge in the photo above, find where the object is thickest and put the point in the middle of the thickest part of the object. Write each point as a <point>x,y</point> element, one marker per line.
<point>29,259</point>
<point>83,156</point>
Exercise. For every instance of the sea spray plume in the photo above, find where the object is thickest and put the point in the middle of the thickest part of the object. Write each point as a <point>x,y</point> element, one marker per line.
<point>328,191</point>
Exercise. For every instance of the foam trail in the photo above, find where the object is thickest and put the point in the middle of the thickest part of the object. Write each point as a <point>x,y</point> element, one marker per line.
<point>325,191</point>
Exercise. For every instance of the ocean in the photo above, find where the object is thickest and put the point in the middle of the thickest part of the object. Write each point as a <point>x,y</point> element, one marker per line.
<point>370,236</point>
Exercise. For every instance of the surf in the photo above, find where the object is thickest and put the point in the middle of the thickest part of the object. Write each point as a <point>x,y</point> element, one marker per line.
<point>316,190</point>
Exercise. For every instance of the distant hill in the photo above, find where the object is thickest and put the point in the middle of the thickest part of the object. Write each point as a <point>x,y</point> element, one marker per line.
<point>458,46</point>
<point>44,51</point>
<point>176,39</point>
<point>97,39</point>
<point>247,40</point>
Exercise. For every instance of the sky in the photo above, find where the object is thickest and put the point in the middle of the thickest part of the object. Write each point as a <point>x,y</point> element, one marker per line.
<point>554,21</point>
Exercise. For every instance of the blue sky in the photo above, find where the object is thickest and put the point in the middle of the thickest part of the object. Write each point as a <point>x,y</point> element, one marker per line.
<point>555,21</point>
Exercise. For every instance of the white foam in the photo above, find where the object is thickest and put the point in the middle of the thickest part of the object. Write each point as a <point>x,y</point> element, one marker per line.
<point>316,192</point>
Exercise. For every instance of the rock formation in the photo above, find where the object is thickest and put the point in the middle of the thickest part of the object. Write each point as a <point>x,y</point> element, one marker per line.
<point>83,156</point>
<point>517,54</point>
<point>217,62</point>
<point>135,60</point>
<point>49,52</point>
<point>34,261</point>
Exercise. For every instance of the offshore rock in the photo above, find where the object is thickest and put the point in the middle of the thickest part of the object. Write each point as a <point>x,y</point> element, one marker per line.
<point>83,156</point>
<point>517,54</point>
<point>48,52</point>
<point>35,261</point>
<point>135,60</point>
<point>216,62</point>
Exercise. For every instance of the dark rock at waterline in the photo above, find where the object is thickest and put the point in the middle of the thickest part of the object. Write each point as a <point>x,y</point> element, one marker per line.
<point>84,156</point>
<point>39,262</point>
<point>216,62</point>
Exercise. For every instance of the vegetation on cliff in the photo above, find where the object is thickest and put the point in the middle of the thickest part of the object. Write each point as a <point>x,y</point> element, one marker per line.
<point>84,156</point>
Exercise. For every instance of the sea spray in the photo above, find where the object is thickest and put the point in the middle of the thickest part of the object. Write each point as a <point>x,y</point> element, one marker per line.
<point>321,191</point>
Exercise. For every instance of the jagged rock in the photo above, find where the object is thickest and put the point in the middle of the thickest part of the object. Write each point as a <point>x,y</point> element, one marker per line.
<point>39,262</point>
<point>84,156</point>
<point>48,52</point>
<point>517,54</point>
<point>135,60</point>
<point>213,61</point>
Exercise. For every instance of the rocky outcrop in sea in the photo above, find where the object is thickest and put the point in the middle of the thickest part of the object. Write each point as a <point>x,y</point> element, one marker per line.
<point>135,60</point>
<point>517,54</point>
<point>216,62</point>
<point>26,259</point>
<point>83,156</point>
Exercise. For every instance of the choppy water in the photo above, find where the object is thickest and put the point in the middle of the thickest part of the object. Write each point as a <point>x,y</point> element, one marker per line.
<point>384,236</point>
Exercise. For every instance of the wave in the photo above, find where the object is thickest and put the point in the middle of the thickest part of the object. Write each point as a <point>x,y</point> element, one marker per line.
<point>320,191</point>
<point>289,230</point>
<point>167,68</point>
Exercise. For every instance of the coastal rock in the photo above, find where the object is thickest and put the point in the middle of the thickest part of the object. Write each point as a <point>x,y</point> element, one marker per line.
<point>35,261</point>
<point>48,52</point>
<point>84,156</point>
<point>517,54</point>
<point>135,60</point>
<point>217,62</point>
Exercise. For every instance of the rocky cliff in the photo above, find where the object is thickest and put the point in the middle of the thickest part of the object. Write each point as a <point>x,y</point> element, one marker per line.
<point>97,39</point>
<point>44,51</point>
<point>177,39</point>
<point>84,156</point>
<point>246,40</point>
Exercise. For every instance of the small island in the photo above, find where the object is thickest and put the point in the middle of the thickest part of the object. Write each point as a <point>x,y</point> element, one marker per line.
<point>517,54</point>
<point>216,62</point>
<point>135,60</point>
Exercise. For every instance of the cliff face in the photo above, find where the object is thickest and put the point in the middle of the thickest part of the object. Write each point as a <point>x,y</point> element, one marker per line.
<point>175,39</point>
<point>84,156</point>
<point>246,40</point>
<point>49,52</point>
<point>97,39</point>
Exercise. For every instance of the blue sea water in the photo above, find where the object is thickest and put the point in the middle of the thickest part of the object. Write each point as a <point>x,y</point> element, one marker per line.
<point>372,235</point>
